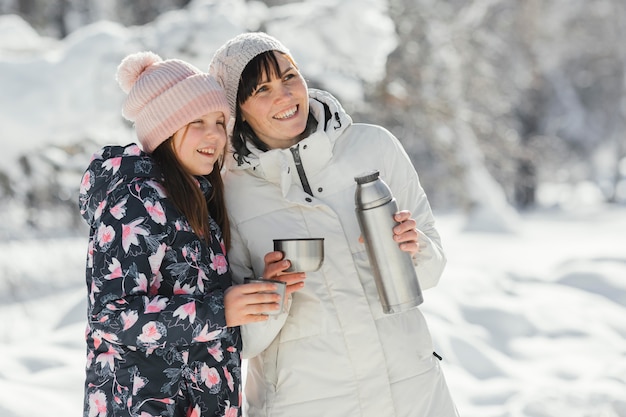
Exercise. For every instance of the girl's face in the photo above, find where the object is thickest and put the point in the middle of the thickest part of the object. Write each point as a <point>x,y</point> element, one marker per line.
<point>201,143</point>
<point>278,108</point>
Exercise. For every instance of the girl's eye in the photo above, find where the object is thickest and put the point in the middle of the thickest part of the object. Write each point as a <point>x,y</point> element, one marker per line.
<point>289,76</point>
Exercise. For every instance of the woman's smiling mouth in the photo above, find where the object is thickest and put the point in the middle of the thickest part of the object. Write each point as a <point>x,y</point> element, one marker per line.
<point>286,114</point>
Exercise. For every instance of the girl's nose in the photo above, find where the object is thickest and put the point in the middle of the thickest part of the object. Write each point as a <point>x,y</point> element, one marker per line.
<point>215,131</point>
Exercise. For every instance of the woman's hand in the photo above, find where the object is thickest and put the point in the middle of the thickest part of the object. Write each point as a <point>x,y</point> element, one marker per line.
<point>247,303</point>
<point>275,266</point>
<point>406,233</point>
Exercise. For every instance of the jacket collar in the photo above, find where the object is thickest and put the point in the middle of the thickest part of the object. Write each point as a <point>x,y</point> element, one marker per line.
<point>277,165</point>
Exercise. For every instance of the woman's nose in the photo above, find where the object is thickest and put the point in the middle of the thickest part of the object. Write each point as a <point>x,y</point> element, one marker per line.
<point>283,92</point>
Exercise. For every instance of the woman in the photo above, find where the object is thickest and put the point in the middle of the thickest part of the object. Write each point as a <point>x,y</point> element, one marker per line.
<point>162,335</point>
<point>296,155</point>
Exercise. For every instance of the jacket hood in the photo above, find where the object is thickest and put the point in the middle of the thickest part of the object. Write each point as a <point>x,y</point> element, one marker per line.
<point>331,118</point>
<point>111,169</point>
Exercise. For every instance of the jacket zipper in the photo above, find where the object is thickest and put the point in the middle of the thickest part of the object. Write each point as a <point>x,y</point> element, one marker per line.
<point>295,151</point>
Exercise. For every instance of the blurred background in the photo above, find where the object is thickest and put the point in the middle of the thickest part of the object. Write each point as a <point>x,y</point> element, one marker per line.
<point>504,106</point>
<point>513,113</point>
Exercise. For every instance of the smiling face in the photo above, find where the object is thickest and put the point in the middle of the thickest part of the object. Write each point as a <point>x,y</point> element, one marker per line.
<point>200,144</point>
<point>278,108</point>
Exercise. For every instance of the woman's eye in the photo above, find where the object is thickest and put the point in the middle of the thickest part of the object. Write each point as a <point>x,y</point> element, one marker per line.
<point>289,76</point>
<point>261,89</point>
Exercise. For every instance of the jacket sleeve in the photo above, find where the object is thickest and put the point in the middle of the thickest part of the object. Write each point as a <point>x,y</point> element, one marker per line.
<point>402,178</point>
<point>128,250</point>
<point>256,337</point>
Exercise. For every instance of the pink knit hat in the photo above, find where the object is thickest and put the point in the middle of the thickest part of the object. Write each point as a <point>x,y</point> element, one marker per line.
<point>164,96</point>
<point>231,59</point>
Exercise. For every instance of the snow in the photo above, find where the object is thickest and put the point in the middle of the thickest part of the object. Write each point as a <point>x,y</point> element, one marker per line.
<point>530,322</point>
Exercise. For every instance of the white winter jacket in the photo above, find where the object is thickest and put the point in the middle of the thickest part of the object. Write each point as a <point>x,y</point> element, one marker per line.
<point>334,353</point>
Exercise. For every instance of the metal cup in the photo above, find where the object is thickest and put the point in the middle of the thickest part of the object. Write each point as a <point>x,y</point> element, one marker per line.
<point>305,254</point>
<point>280,290</point>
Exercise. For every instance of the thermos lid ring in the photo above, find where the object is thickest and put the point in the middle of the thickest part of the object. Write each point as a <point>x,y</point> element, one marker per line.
<point>367,177</point>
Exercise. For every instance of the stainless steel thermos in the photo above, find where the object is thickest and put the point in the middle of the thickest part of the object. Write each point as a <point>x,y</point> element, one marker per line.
<point>394,272</point>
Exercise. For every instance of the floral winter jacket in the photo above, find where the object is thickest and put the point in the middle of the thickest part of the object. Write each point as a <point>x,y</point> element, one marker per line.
<point>157,339</point>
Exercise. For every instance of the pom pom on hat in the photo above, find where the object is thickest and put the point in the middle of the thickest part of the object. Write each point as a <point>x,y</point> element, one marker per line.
<point>231,59</point>
<point>133,66</point>
<point>166,95</point>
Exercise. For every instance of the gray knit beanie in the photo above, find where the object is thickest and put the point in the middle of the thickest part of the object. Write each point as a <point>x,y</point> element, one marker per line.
<point>230,60</point>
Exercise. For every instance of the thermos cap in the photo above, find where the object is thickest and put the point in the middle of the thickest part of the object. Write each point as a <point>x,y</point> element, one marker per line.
<point>367,177</point>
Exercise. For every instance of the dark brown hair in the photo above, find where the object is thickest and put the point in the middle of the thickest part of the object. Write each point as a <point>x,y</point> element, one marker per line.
<point>182,189</point>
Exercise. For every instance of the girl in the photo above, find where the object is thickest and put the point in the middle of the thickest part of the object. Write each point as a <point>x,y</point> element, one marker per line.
<point>163,316</point>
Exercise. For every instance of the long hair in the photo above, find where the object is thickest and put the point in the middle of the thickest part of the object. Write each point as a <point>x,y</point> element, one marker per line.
<point>182,189</point>
<point>264,64</point>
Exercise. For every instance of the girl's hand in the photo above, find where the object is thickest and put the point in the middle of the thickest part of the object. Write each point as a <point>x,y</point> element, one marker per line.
<point>275,266</point>
<point>246,303</point>
<point>406,233</point>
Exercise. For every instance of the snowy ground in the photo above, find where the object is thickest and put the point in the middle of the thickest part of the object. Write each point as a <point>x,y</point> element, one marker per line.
<point>529,324</point>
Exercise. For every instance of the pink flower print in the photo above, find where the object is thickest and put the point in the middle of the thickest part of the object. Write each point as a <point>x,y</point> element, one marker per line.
<point>155,284</point>
<point>90,248</point>
<point>109,337</point>
<point>97,404</point>
<point>97,338</point>
<point>112,164</point>
<point>106,234</point>
<point>90,357</point>
<point>130,232</point>
<point>156,259</point>
<point>99,209</point>
<point>186,311</point>
<point>205,335</point>
<point>133,150</point>
<point>229,379</point>
<point>200,280</point>
<point>138,383</point>
<point>156,305</point>
<point>142,284</point>
<point>185,289</point>
<point>150,333</point>
<point>119,210</point>
<point>230,411</point>
<point>116,270</point>
<point>108,358</point>
<point>158,187</point>
<point>85,182</point>
<point>94,290</point>
<point>129,318</point>
<point>210,376</point>
<point>218,263</point>
<point>157,214</point>
<point>216,351</point>
<point>195,412</point>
